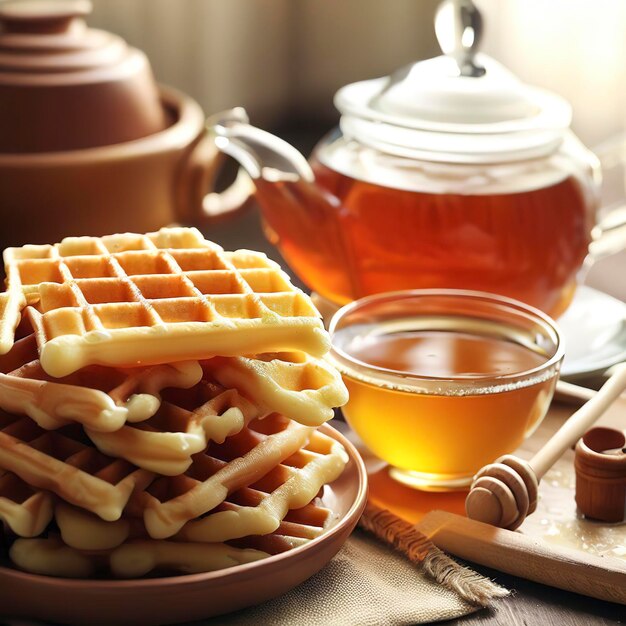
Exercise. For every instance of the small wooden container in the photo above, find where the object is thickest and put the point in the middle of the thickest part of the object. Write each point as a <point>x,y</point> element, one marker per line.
<point>600,464</point>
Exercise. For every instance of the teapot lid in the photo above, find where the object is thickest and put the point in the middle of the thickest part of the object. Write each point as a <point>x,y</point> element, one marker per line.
<point>462,106</point>
<point>65,86</point>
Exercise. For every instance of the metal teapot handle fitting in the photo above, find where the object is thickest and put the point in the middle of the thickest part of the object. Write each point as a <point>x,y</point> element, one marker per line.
<point>259,153</point>
<point>609,234</point>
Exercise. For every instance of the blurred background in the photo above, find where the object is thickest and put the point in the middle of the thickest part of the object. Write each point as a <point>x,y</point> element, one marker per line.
<point>284,59</point>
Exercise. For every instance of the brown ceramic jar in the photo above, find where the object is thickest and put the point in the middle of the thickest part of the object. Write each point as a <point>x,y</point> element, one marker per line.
<point>601,474</point>
<point>90,144</point>
<point>64,86</point>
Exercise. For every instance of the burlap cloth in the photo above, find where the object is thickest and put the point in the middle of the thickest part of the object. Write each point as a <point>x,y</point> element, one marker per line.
<point>365,584</point>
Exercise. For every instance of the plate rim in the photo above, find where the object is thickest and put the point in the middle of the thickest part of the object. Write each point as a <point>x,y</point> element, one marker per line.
<point>243,571</point>
<point>574,370</point>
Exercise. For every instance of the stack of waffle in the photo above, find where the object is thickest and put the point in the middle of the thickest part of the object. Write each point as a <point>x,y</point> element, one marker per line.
<point>159,405</point>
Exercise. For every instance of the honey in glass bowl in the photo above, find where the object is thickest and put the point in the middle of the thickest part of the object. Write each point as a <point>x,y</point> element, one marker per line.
<point>443,382</point>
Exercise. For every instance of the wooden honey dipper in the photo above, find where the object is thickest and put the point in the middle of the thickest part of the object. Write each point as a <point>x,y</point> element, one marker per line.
<point>505,492</point>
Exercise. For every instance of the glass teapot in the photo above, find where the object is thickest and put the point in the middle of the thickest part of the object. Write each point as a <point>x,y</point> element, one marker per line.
<point>450,173</point>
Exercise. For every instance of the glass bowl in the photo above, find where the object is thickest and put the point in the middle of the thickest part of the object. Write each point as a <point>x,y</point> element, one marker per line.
<point>443,382</point>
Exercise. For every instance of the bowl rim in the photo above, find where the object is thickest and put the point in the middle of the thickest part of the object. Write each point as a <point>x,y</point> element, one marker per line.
<point>243,571</point>
<point>407,381</point>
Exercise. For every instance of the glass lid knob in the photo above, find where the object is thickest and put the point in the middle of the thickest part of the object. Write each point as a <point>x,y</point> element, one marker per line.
<point>459,26</point>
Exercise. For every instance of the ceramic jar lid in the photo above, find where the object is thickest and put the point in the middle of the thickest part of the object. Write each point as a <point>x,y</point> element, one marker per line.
<point>460,107</point>
<point>64,86</point>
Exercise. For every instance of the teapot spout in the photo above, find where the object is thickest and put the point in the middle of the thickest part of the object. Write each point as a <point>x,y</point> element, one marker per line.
<point>261,154</point>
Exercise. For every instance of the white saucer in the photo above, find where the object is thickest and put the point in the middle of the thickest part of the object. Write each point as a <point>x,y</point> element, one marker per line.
<point>594,334</point>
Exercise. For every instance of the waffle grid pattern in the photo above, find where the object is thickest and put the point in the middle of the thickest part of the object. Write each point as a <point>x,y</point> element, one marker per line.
<point>162,416</point>
<point>24,509</point>
<point>89,290</point>
<point>276,503</point>
<point>183,425</point>
<point>271,504</point>
<point>292,384</point>
<point>102,399</point>
<point>72,468</point>
<point>246,485</point>
<point>222,469</point>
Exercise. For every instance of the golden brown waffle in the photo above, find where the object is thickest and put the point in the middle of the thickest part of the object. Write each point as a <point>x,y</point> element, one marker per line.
<point>139,558</point>
<point>12,301</point>
<point>227,492</point>
<point>282,502</point>
<point>278,502</point>
<point>183,426</point>
<point>243,459</point>
<point>292,384</point>
<point>64,462</point>
<point>188,420</point>
<point>126,300</point>
<point>246,485</point>
<point>102,399</point>
<point>88,546</point>
<point>85,531</point>
<point>51,557</point>
<point>24,509</point>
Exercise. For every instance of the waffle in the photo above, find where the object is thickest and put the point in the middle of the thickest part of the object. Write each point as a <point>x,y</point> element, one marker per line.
<point>182,427</point>
<point>284,493</point>
<point>11,304</point>
<point>246,485</point>
<point>102,399</point>
<point>297,386</point>
<point>24,509</point>
<point>51,557</point>
<point>88,546</point>
<point>235,501</point>
<point>281,502</point>
<point>64,462</point>
<point>85,531</point>
<point>171,502</point>
<point>82,530</point>
<point>127,300</point>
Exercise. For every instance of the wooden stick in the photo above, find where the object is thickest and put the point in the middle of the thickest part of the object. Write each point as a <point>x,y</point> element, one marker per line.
<point>575,427</point>
<point>514,553</point>
<point>505,492</point>
<point>575,394</point>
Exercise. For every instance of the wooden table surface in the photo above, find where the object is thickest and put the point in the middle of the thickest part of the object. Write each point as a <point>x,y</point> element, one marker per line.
<point>531,604</point>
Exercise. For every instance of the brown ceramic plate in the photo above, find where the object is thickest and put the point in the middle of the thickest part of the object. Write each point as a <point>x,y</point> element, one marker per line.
<point>190,597</point>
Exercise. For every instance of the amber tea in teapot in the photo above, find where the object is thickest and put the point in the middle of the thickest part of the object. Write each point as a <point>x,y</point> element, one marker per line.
<point>528,244</point>
<point>450,173</point>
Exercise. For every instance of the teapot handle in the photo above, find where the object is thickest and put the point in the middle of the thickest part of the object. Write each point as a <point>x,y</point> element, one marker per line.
<point>609,235</point>
<point>260,154</point>
<point>196,202</point>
